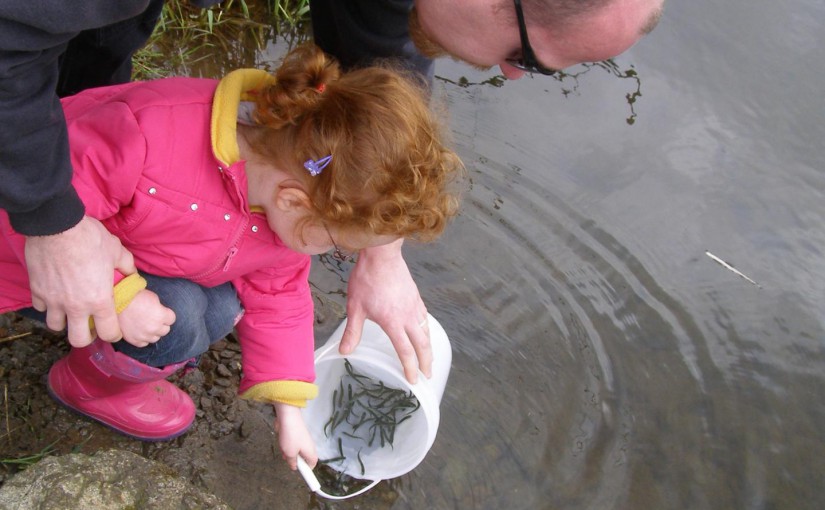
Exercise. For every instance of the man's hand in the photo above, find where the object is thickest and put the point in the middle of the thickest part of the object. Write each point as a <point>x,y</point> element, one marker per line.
<point>381,288</point>
<point>71,277</point>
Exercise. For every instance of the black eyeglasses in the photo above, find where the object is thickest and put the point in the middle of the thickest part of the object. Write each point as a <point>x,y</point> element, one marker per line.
<point>338,253</point>
<point>528,62</point>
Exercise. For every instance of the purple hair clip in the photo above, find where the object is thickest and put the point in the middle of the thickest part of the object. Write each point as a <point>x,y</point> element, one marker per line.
<point>316,167</point>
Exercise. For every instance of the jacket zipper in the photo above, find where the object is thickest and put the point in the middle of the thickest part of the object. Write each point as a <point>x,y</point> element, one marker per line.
<point>229,257</point>
<point>237,237</point>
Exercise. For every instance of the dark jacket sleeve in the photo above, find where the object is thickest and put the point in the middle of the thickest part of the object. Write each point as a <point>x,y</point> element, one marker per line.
<point>35,168</point>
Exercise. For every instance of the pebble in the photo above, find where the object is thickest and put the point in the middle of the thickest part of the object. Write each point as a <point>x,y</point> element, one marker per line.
<point>222,381</point>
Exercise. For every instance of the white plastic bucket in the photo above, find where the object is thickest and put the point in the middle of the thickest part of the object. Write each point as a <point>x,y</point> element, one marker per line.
<point>376,358</point>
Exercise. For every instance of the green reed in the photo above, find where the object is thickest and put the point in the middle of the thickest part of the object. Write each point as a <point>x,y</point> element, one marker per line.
<point>189,40</point>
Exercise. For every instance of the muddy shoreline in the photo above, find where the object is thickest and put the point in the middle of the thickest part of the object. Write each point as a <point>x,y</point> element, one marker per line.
<point>231,450</point>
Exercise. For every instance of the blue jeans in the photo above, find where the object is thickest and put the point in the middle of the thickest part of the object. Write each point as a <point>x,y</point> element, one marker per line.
<point>204,315</point>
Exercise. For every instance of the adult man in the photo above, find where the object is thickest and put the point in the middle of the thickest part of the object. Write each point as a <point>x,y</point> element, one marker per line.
<point>71,257</point>
<point>484,33</point>
<point>536,36</point>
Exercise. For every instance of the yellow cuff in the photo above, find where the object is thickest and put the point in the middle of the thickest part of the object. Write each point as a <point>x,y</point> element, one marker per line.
<point>126,290</point>
<point>294,393</point>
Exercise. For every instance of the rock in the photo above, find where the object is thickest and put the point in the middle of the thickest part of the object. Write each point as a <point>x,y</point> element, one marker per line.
<point>221,381</point>
<point>245,430</point>
<point>223,371</point>
<point>111,479</point>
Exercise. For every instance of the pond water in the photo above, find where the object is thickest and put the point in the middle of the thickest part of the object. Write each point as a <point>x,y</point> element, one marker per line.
<point>602,360</point>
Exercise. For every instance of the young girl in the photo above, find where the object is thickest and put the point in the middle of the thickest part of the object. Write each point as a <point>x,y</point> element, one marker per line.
<point>222,191</point>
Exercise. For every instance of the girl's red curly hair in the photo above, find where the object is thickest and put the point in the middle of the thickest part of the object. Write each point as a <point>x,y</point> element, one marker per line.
<point>391,172</point>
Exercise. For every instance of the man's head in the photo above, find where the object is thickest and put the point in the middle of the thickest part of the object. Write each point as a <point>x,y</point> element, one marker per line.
<point>561,33</point>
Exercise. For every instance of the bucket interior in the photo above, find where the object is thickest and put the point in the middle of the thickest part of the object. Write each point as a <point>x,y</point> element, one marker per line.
<point>364,457</point>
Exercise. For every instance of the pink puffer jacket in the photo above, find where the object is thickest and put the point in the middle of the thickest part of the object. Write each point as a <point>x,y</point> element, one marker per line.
<point>146,166</point>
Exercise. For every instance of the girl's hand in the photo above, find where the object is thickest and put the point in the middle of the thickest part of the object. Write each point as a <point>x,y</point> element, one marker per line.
<point>293,436</point>
<point>145,320</point>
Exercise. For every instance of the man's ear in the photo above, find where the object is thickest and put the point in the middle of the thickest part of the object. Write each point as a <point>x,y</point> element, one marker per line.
<point>291,199</point>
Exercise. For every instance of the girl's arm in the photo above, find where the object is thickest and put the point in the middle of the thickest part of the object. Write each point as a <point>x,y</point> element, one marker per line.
<point>276,333</point>
<point>293,436</point>
<point>277,342</point>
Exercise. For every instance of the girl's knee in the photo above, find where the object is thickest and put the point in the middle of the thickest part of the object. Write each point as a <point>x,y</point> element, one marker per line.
<point>224,311</point>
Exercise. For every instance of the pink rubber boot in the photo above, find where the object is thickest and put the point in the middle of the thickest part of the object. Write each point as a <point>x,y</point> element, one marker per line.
<point>122,393</point>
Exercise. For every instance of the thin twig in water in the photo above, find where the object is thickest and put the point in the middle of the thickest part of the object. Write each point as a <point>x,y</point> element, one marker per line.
<point>730,267</point>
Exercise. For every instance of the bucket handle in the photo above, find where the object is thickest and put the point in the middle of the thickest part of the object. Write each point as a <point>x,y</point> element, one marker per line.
<point>326,349</point>
<point>315,485</point>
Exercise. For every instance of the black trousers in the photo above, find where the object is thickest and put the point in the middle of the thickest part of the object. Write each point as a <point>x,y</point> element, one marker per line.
<point>357,32</point>
<point>103,56</point>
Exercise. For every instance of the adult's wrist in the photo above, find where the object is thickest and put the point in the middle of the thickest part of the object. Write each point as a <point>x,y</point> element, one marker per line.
<point>57,215</point>
<point>386,251</point>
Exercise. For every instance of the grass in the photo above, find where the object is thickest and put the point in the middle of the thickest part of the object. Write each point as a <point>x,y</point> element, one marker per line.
<point>28,460</point>
<point>192,41</point>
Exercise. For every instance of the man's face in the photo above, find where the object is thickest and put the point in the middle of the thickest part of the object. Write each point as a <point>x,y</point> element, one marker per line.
<point>485,33</point>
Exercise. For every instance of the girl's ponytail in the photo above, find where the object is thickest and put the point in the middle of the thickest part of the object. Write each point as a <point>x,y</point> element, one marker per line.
<point>301,82</point>
<point>386,167</point>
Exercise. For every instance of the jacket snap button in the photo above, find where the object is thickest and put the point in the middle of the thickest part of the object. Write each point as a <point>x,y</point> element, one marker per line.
<point>226,217</point>
<point>194,207</point>
<point>152,191</point>
<point>254,228</point>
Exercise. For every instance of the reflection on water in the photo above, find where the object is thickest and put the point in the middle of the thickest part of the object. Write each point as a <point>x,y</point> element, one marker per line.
<point>601,359</point>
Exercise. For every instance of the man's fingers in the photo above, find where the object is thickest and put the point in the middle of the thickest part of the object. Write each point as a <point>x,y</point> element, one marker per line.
<point>79,333</point>
<point>38,304</point>
<point>126,262</point>
<point>352,333</point>
<point>410,364</point>
<point>406,354</point>
<point>56,319</point>
<point>420,338</point>
<point>107,327</point>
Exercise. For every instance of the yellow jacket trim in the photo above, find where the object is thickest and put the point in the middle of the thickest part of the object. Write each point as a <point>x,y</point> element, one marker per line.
<point>232,89</point>
<point>126,290</point>
<point>294,393</point>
